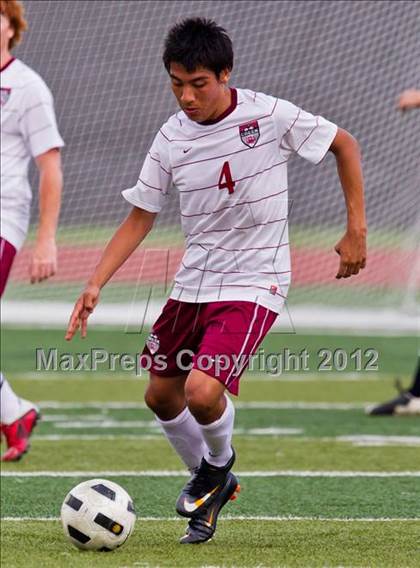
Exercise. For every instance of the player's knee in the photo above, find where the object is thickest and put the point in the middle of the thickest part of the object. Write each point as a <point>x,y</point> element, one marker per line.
<point>202,401</point>
<point>156,399</point>
<point>198,404</point>
<point>164,402</point>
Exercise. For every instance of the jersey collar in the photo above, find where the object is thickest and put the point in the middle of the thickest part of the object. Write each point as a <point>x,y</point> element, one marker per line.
<point>227,112</point>
<point>7,64</point>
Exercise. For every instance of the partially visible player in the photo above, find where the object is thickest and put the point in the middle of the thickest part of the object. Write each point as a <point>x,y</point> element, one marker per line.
<point>409,99</point>
<point>408,401</point>
<point>28,130</point>
<point>226,152</point>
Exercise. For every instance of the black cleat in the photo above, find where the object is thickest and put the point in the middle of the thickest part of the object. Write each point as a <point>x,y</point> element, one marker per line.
<point>204,487</point>
<point>405,404</point>
<point>201,528</point>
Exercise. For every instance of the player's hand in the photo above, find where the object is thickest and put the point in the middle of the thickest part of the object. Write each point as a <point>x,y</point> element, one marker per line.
<point>409,99</point>
<point>352,251</point>
<point>81,311</point>
<point>44,260</point>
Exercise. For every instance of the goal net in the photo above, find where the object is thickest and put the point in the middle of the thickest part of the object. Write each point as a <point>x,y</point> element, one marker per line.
<point>347,61</point>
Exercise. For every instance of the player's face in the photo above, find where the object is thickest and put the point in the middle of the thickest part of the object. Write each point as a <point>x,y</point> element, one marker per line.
<point>6,32</point>
<point>200,94</point>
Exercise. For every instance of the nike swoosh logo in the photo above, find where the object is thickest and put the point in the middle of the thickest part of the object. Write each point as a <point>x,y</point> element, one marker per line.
<point>186,150</point>
<point>191,507</point>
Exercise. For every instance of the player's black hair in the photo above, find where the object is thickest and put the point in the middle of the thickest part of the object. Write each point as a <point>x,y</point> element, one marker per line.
<point>198,42</point>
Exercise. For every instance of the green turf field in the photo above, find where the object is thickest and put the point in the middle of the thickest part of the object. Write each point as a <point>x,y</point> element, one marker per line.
<point>322,484</point>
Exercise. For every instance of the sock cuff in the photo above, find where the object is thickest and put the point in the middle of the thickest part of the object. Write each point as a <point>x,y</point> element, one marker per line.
<point>180,419</point>
<point>229,410</point>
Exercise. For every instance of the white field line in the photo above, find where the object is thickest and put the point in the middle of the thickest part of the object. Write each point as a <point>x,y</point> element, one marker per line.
<point>101,423</point>
<point>306,318</point>
<point>182,473</point>
<point>57,405</point>
<point>244,518</point>
<point>328,376</point>
<point>376,440</point>
<point>360,440</point>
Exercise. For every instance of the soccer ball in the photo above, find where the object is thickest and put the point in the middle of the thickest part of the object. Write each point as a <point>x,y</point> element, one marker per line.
<point>98,515</point>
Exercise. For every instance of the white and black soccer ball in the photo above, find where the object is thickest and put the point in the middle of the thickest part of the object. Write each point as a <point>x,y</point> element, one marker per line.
<point>98,515</point>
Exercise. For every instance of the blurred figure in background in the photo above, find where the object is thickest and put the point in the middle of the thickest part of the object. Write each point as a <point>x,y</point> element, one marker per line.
<point>408,401</point>
<point>28,130</point>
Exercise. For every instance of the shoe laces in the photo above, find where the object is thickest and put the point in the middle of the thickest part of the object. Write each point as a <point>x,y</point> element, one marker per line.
<point>199,481</point>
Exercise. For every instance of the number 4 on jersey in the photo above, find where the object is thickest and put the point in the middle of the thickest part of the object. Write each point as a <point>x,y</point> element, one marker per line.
<point>225,179</point>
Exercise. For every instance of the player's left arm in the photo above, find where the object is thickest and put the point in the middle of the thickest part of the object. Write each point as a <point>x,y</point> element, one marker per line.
<point>44,258</point>
<point>352,246</point>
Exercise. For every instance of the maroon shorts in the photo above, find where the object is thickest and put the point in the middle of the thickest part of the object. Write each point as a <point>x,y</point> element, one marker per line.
<point>217,338</point>
<point>7,255</point>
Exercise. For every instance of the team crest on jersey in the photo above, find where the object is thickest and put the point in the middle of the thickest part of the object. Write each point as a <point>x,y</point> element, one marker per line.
<point>5,94</point>
<point>153,343</point>
<point>250,133</point>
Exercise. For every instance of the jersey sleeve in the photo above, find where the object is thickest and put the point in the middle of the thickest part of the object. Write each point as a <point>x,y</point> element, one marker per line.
<point>155,178</point>
<point>37,119</point>
<point>303,133</point>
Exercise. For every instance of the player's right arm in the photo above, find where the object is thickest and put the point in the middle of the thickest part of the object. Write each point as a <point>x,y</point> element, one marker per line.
<point>124,242</point>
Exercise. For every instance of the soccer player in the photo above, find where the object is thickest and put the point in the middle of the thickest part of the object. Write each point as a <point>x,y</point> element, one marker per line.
<point>409,99</point>
<point>226,153</point>
<point>408,401</point>
<point>28,130</point>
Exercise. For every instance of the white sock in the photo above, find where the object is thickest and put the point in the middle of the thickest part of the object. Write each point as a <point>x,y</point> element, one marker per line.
<point>11,406</point>
<point>218,436</point>
<point>184,434</point>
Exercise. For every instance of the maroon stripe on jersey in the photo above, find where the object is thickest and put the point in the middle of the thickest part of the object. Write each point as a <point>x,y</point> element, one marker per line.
<point>45,103</point>
<point>232,286</point>
<point>7,155</point>
<point>236,180</point>
<point>235,205</point>
<point>40,130</point>
<point>306,139</point>
<point>239,250</point>
<point>225,155</point>
<point>227,112</point>
<point>309,135</point>
<point>164,135</point>
<point>160,164</point>
<point>218,131</point>
<point>148,185</point>
<point>6,65</point>
<point>20,176</point>
<point>292,125</point>
<point>237,228</point>
<point>272,272</point>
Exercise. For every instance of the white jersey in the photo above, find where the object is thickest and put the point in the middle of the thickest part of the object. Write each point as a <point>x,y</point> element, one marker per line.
<point>28,129</point>
<point>231,175</point>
